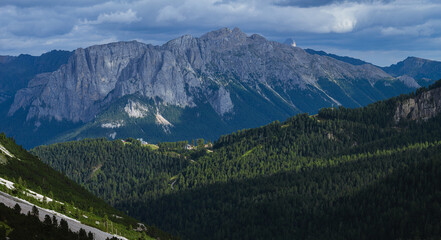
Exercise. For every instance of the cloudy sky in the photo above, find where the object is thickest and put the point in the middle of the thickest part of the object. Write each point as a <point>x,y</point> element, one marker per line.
<point>379,31</point>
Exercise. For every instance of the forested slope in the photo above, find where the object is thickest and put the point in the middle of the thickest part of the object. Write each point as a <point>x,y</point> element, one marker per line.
<point>129,170</point>
<point>27,172</point>
<point>341,174</point>
<point>17,226</point>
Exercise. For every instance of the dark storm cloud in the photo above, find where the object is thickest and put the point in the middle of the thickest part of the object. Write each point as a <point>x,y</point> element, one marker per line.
<point>363,26</point>
<point>50,3</point>
<point>317,3</point>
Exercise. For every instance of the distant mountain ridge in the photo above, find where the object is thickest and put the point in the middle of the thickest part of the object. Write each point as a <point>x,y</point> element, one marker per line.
<point>188,88</point>
<point>412,71</point>
<point>416,68</point>
<point>346,59</point>
<point>16,72</point>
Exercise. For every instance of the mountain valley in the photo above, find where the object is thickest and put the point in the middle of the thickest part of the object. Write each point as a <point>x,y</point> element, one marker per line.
<point>365,173</point>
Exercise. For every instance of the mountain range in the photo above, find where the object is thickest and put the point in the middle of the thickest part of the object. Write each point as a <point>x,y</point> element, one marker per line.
<point>189,87</point>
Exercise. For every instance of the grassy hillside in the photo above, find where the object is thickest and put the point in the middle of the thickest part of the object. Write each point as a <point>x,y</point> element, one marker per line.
<point>340,174</point>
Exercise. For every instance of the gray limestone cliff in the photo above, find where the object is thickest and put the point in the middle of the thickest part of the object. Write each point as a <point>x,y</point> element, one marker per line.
<point>74,91</point>
<point>421,107</point>
<point>187,71</point>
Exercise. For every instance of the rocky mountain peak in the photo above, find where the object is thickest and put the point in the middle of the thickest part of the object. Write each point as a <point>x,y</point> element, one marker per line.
<point>73,91</point>
<point>412,58</point>
<point>184,41</point>
<point>258,38</point>
<point>225,38</point>
<point>223,77</point>
<point>417,68</point>
<point>415,62</point>
<point>223,33</point>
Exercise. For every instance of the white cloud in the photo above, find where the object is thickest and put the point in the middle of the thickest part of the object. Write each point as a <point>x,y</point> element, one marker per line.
<point>128,16</point>
<point>169,13</point>
<point>426,29</point>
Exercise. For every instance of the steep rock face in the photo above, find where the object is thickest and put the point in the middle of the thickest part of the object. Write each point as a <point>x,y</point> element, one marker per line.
<point>220,82</point>
<point>75,90</point>
<point>135,109</point>
<point>421,107</point>
<point>179,73</point>
<point>156,73</point>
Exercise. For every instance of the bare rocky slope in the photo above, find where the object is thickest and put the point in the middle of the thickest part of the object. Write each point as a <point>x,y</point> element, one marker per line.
<point>220,82</point>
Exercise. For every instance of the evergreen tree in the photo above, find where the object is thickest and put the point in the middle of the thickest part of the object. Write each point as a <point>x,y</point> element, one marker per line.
<point>35,211</point>
<point>17,208</point>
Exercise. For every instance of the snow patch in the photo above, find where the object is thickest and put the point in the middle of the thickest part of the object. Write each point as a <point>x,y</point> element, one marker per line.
<point>5,151</point>
<point>37,196</point>
<point>8,184</point>
<point>136,109</point>
<point>115,124</point>
<point>28,192</point>
<point>112,135</point>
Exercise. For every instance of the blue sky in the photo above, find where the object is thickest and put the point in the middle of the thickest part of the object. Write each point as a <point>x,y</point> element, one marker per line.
<point>381,32</point>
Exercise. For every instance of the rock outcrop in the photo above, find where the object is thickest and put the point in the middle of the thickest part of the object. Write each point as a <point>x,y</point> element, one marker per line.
<point>419,108</point>
<point>76,90</point>
<point>135,109</point>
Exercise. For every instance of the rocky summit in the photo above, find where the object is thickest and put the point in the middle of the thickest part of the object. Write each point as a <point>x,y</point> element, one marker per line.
<point>222,81</point>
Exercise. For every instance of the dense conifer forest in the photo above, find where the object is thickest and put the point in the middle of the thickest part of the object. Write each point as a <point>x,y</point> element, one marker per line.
<point>340,174</point>
<point>17,226</point>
